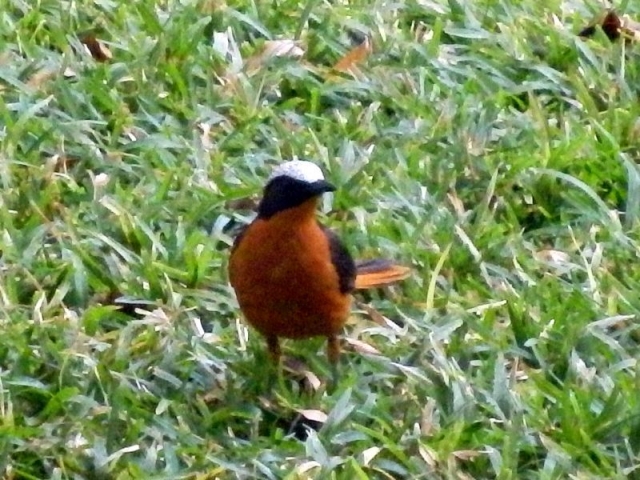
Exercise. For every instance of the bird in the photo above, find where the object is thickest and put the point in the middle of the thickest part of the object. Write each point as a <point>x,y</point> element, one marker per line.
<point>293,277</point>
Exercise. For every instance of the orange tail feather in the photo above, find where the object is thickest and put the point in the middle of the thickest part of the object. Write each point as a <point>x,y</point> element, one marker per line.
<point>378,272</point>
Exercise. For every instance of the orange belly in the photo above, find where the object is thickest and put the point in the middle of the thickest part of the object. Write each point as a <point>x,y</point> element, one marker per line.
<point>285,282</point>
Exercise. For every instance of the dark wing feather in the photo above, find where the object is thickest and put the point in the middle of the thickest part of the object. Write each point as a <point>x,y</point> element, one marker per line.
<point>342,261</point>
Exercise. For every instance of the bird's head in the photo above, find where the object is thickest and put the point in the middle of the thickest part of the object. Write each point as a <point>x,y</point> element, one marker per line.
<point>291,184</point>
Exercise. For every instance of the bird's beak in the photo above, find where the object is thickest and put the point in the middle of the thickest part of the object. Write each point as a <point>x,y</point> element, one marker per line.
<point>322,186</point>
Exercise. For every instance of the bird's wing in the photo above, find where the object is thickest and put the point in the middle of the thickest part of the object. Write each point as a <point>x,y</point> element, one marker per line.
<point>342,261</point>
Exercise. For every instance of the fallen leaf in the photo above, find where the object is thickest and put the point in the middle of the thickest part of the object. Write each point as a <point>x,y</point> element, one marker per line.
<point>428,424</point>
<point>225,45</point>
<point>457,204</point>
<point>301,370</point>
<point>282,48</point>
<point>315,415</point>
<point>205,135</point>
<point>306,466</point>
<point>429,455</point>
<point>96,48</point>
<point>369,454</point>
<point>614,26</point>
<point>374,315</point>
<point>267,404</point>
<point>60,162</point>
<point>349,63</point>
<point>133,133</point>
<point>466,454</point>
<point>362,347</point>
<point>273,49</point>
<point>99,181</point>
<point>41,77</point>
<point>199,331</point>
<point>295,366</point>
<point>69,74</point>
<point>630,28</point>
<point>158,318</point>
<point>552,256</point>
<point>610,25</point>
<point>555,260</point>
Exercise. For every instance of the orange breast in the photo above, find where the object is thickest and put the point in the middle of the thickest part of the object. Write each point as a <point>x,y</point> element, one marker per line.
<point>283,277</point>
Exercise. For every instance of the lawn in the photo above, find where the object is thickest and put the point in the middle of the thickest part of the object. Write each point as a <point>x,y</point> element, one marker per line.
<point>484,144</point>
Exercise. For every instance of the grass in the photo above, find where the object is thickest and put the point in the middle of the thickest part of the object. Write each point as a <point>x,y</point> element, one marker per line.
<point>482,143</point>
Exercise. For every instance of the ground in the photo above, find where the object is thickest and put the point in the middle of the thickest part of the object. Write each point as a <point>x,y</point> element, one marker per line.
<point>482,143</point>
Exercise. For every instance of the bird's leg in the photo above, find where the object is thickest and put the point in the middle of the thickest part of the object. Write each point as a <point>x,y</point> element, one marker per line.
<point>273,346</point>
<point>274,349</point>
<point>333,353</point>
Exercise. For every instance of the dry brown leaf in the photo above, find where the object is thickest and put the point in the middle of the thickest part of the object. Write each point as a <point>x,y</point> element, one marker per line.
<point>349,63</point>
<point>156,317</point>
<point>232,81</point>
<point>362,347</point>
<point>96,48</point>
<point>427,418</point>
<point>272,49</point>
<point>429,455</point>
<point>267,404</point>
<point>282,48</point>
<point>610,24</point>
<point>295,365</point>
<point>306,466</point>
<point>552,256</point>
<point>61,162</point>
<point>374,315</point>
<point>466,454</point>
<point>69,74</point>
<point>369,454</point>
<point>614,26</point>
<point>312,381</point>
<point>315,415</point>
<point>41,77</point>
<point>301,370</point>
<point>630,28</point>
<point>457,204</point>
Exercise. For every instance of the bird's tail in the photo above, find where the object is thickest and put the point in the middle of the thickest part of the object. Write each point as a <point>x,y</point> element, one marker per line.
<point>378,272</point>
